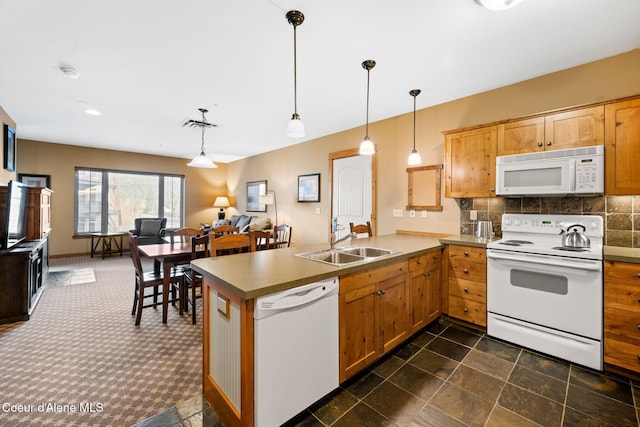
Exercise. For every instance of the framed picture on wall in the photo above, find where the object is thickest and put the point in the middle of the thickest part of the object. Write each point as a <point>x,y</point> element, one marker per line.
<point>9,148</point>
<point>33,180</point>
<point>309,188</point>
<point>254,190</point>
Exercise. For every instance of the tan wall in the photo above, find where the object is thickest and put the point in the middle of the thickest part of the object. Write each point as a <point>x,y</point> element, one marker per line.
<point>59,161</point>
<point>610,78</point>
<point>5,175</point>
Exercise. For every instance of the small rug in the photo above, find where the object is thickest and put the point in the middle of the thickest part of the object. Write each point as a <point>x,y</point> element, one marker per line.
<point>70,277</point>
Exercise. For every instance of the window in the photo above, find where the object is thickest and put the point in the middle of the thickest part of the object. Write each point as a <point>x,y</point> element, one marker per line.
<point>110,200</point>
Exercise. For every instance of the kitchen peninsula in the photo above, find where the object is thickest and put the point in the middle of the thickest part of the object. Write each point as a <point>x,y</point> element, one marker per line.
<point>232,284</point>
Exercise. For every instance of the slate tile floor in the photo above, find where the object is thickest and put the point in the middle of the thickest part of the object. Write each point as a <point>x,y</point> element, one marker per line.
<point>451,376</point>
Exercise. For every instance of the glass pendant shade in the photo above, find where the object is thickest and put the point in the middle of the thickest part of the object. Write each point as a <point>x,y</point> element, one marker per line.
<point>366,147</point>
<point>295,129</point>
<point>497,5</point>
<point>414,158</point>
<point>202,161</point>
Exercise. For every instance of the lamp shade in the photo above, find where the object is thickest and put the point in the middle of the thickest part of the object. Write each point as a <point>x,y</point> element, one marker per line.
<point>496,5</point>
<point>366,147</point>
<point>221,202</point>
<point>266,199</point>
<point>202,161</point>
<point>414,158</point>
<point>295,128</point>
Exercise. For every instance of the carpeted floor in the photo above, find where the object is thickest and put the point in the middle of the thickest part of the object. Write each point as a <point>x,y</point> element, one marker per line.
<point>80,361</point>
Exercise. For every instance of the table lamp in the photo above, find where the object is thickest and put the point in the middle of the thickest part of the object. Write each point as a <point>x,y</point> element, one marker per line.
<point>221,202</point>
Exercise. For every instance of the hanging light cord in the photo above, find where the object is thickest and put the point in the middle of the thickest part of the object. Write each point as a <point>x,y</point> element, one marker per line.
<point>202,127</point>
<point>295,74</point>
<point>414,122</point>
<point>366,130</point>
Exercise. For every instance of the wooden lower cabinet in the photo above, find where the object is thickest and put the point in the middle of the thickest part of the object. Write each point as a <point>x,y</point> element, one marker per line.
<point>425,289</point>
<point>468,284</point>
<point>373,314</point>
<point>622,315</point>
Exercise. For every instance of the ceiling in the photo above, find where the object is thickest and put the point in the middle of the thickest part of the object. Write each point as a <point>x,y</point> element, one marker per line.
<point>147,65</point>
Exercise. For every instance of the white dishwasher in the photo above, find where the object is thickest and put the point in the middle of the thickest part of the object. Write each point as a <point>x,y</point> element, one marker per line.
<point>296,350</point>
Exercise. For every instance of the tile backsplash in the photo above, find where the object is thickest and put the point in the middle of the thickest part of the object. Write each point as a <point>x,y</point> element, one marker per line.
<point>621,213</point>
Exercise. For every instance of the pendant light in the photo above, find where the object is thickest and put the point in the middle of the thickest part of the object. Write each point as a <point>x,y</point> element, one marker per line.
<point>414,157</point>
<point>497,5</point>
<point>295,129</point>
<point>366,146</point>
<point>201,161</point>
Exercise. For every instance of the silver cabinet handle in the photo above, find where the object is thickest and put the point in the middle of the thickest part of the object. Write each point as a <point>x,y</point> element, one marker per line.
<point>465,271</point>
<point>420,261</point>
<point>465,309</point>
<point>540,144</point>
<point>549,143</point>
<point>466,253</point>
<point>467,290</point>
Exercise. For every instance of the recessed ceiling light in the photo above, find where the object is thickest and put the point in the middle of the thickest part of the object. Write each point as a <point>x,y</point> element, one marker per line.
<point>496,5</point>
<point>72,73</point>
<point>93,112</point>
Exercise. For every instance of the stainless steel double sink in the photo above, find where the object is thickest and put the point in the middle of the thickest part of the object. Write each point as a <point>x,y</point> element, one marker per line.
<point>346,255</point>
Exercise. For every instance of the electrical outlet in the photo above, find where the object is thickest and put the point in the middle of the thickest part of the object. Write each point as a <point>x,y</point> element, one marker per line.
<point>473,215</point>
<point>412,213</point>
<point>317,211</point>
<point>397,212</point>
<point>424,214</point>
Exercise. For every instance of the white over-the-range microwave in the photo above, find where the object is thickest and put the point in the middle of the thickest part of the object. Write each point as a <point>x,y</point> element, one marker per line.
<point>575,171</point>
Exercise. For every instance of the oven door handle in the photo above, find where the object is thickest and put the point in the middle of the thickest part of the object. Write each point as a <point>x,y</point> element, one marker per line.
<point>591,265</point>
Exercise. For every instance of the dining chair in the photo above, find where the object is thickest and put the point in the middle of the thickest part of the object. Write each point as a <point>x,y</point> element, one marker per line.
<point>361,229</point>
<point>261,240</point>
<point>183,235</point>
<point>282,236</point>
<point>229,244</point>
<point>150,279</point>
<point>222,230</point>
<point>193,280</point>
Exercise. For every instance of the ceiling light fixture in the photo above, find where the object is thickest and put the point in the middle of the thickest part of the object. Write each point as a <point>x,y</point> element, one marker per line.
<point>295,129</point>
<point>70,72</point>
<point>414,157</point>
<point>201,161</point>
<point>366,146</point>
<point>497,5</point>
<point>93,112</point>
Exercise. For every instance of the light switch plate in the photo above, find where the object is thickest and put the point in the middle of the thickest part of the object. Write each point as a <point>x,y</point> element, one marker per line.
<point>397,212</point>
<point>424,214</point>
<point>473,215</point>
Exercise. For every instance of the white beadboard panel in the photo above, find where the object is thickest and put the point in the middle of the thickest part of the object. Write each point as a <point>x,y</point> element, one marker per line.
<point>224,360</point>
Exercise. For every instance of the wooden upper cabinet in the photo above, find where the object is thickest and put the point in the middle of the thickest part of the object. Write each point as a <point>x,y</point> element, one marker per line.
<point>522,136</point>
<point>470,163</point>
<point>570,129</point>
<point>622,147</point>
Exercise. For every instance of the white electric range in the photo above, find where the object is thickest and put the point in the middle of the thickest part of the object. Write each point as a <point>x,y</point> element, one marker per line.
<point>543,295</point>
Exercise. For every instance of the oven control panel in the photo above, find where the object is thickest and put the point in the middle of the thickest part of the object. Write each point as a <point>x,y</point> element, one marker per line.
<point>551,224</point>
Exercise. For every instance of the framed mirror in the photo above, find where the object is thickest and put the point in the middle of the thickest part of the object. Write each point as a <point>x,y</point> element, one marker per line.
<point>424,188</point>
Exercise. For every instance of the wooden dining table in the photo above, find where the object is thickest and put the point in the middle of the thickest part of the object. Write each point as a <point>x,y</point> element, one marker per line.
<point>168,254</point>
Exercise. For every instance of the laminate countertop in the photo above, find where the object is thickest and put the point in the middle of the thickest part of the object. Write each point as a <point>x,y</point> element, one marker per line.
<point>254,274</point>
<point>616,253</point>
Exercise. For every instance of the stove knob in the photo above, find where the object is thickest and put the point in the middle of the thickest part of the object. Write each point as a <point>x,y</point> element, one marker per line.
<point>517,222</point>
<point>507,221</point>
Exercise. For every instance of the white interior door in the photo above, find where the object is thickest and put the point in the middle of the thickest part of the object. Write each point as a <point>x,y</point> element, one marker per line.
<point>352,192</point>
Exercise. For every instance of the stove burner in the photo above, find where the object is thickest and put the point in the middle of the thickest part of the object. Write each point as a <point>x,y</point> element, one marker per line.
<point>568,249</point>
<point>516,242</point>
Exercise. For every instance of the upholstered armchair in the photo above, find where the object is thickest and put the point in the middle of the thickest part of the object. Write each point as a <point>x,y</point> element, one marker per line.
<point>149,230</point>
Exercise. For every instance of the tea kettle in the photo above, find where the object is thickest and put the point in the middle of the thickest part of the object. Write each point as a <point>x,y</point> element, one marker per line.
<point>574,238</point>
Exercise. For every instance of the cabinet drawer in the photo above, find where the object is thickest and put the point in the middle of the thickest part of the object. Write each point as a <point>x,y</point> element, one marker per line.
<point>625,323</point>
<point>467,289</point>
<point>360,279</point>
<point>625,296</point>
<point>622,354</point>
<point>470,311</point>
<point>462,269</point>
<point>621,271</point>
<point>420,261</point>
<point>470,253</point>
